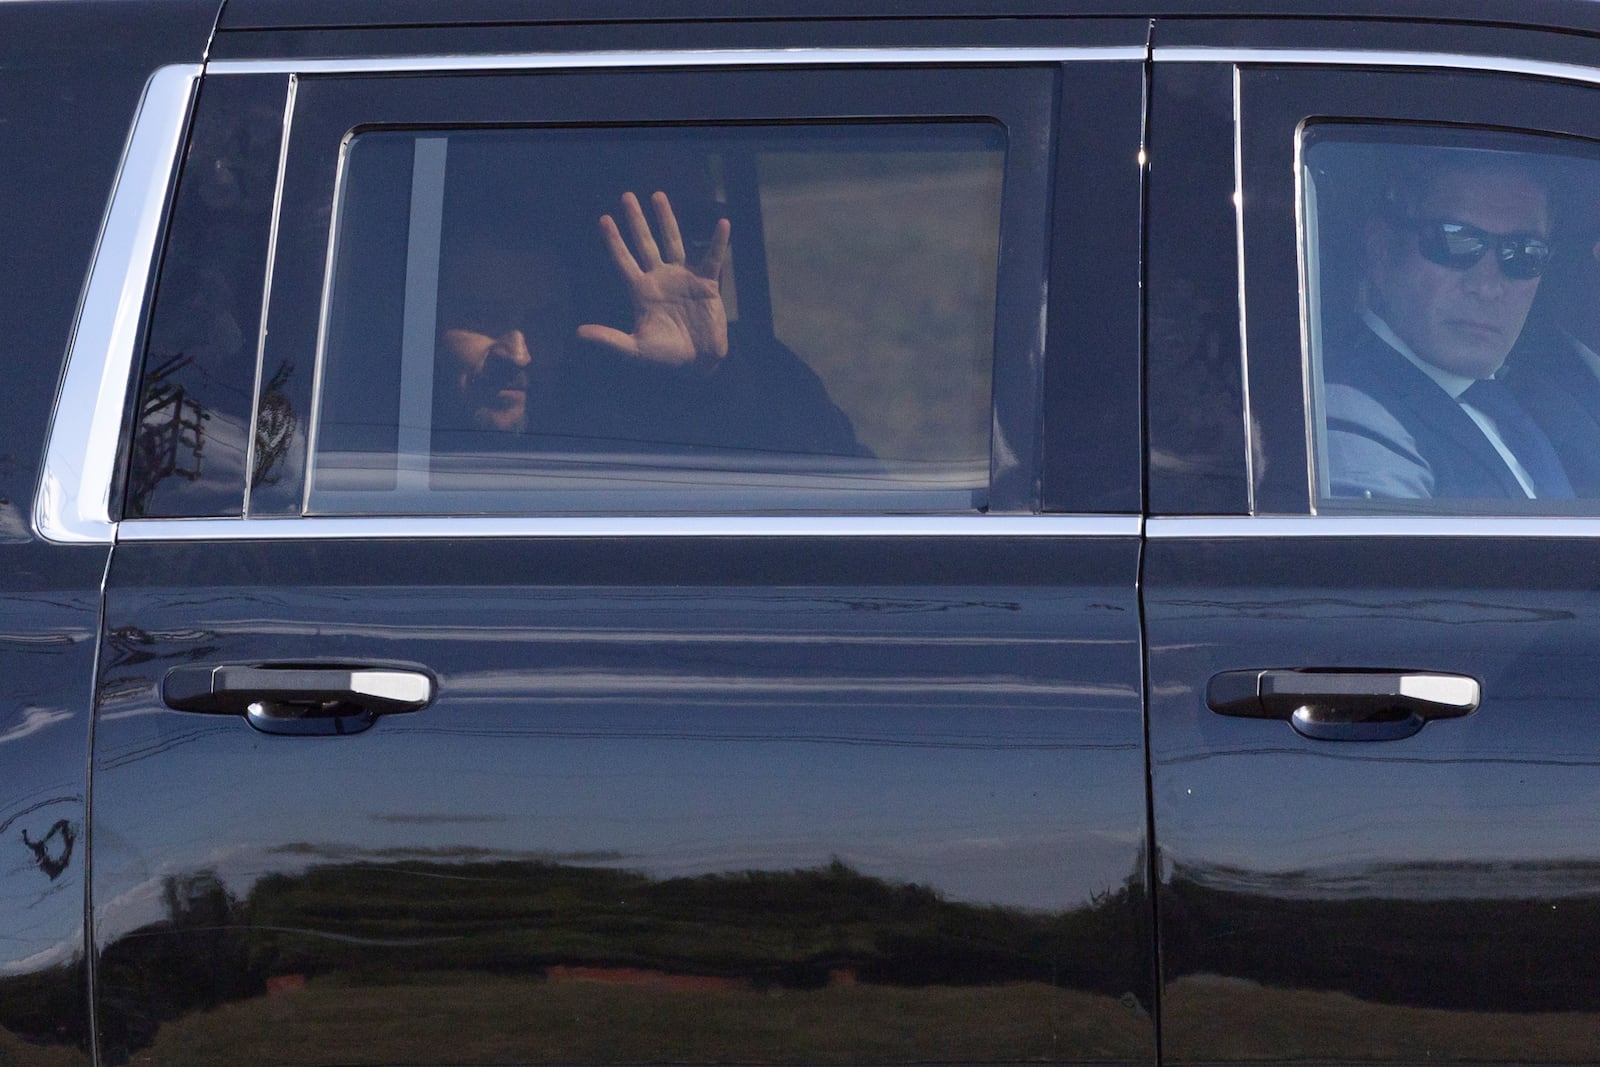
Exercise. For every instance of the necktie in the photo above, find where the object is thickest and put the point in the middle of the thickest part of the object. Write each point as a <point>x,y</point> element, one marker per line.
<point>1522,436</point>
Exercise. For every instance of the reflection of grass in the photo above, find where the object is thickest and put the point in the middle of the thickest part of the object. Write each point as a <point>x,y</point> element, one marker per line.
<point>555,961</point>
<point>15,1050</point>
<point>1208,1019</point>
<point>885,285</point>
<point>488,1019</point>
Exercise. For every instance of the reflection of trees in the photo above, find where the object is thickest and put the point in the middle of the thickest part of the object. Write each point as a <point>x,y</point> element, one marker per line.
<point>1380,935</point>
<point>391,923</point>
<point>52,852</point>
<point>197,959</point>
<point>275,427</point>
<point>1373,935</point>
<point>171,439</point>
<point>45,1007</point>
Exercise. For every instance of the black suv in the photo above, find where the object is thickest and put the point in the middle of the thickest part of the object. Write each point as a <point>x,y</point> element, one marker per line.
<point>838,533</point>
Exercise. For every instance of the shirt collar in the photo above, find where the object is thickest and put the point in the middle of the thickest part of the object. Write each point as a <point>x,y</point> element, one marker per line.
<point>1450,382</point>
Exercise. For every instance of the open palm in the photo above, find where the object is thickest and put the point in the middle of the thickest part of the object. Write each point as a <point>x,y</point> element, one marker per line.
<point>678,314</point>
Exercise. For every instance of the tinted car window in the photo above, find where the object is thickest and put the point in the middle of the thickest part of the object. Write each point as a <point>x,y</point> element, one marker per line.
<point>192,442</point>
<point>682,318</point>
<point>1451,284</point>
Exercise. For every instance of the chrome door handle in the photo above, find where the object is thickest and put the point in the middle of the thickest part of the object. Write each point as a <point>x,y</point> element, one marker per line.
<point>297,699</point>
<point>1345,705</point>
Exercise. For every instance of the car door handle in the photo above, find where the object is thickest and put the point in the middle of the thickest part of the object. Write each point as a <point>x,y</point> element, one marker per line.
<point>298,699</point>
<point>1345,705</point>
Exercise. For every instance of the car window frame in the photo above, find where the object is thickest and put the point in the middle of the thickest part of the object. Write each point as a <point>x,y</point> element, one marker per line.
<point>78,500</point>
<point>329,108</point>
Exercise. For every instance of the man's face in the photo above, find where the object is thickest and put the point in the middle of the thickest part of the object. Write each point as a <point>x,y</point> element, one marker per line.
<point>1464,321</point>
<point>503,321</point>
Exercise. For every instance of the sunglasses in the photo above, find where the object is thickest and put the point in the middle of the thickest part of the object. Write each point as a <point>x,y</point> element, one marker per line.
<point>1522,256</point>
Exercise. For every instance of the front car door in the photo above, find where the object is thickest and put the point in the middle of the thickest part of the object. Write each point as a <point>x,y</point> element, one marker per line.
<point>1371,717</point>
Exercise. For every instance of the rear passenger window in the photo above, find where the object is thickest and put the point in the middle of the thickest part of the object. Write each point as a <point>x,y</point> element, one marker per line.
<point>613,292</point>
<point>687,318</point>
<point>1452,295</point>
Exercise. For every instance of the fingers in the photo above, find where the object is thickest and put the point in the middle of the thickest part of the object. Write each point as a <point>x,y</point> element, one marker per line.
<point>620,255</point>
<point>670,235</point>
<point>711,266</point>
<point>671,249</point>
<point>643,239</point>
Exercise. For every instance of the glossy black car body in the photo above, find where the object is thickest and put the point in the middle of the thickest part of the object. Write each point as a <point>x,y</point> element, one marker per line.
<point>779,788</point>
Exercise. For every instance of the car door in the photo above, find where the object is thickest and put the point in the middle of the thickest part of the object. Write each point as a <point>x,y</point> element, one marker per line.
<point>1372,742</point>
<point>430,741</point>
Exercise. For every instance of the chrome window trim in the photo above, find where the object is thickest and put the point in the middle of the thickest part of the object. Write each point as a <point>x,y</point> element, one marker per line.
<point>737,57</point>
<point>1310,319</point>
<point>73,504</point>
<point>1375,58</point>
<point>629,526</point>
<point>1279,526</point>
<point>324,309</point>
<point>1244,318</point>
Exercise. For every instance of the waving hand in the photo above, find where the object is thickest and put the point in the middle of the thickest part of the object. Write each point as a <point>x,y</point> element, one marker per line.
<point>678,314</point>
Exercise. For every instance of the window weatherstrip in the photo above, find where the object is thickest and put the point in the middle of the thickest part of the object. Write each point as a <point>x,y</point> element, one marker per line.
<point>629,526</point>
<point>1308,250</point>
<point>1355,58</point>
<point>266,288</point>
<point>1549,527</point>
<point>324,308</point>
<point>762,57</point>
<point>73,504</point>
<point>1244,319</point>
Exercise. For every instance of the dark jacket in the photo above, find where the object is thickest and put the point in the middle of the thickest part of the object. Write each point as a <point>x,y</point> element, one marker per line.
<point>1393,432</point>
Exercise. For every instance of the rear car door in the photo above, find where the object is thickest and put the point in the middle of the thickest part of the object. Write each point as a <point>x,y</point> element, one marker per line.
<point>1371,712</point>
<point>583,710</point>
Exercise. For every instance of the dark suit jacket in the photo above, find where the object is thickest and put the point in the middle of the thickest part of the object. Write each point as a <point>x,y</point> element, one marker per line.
<point>763,405</point>
<point>762,399</point>
<point>1562,393</point>
<point>1393,432</point>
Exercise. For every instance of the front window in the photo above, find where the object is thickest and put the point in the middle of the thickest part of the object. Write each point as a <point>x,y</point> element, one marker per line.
<point>1453,308</point>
